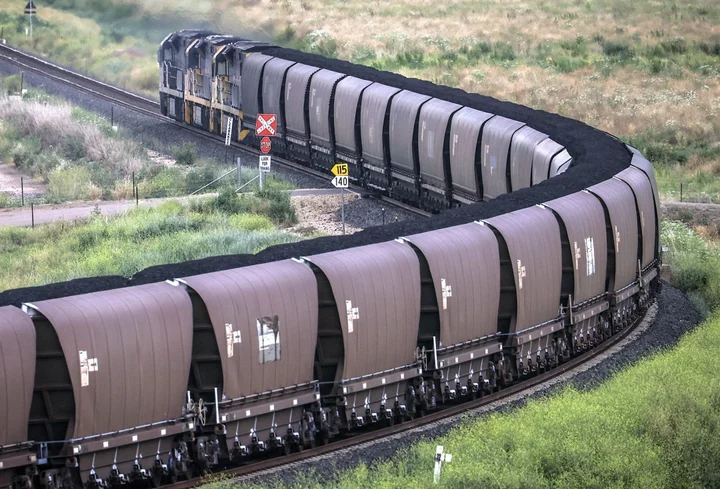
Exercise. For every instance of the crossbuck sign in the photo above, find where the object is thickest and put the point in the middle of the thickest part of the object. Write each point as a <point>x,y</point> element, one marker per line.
<point>266,125</point>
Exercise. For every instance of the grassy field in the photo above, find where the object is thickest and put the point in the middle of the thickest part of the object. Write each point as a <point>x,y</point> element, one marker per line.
<point>79,156</point>
<point>124,245</point>
<point>653,425</point>
<point>647,71</point>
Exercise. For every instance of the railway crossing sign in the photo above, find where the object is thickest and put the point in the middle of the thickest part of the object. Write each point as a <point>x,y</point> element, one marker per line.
<point>265,145</point>
<point>340,182</point>
<point>265,163</point>
<point>340,170</point>
<point>30,8</point>
<point>266,125</point>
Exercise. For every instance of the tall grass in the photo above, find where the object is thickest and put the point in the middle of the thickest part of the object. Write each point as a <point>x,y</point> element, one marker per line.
<point>124,245</point>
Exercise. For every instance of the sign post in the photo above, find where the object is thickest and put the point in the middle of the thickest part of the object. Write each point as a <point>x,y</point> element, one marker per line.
<point>30,11</point>
<point>341,181</point>
<point>440,457</point>
<point>264,167</point>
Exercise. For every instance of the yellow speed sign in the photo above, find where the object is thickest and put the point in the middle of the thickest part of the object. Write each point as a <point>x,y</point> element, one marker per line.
<point>340,170</point>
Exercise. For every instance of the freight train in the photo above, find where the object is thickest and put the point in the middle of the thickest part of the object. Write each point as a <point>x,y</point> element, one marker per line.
<point>157,382</point>
<point>423,150</point>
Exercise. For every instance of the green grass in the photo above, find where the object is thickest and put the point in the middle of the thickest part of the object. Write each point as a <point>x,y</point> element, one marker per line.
<point>653,425</point>
<point>124,245</point>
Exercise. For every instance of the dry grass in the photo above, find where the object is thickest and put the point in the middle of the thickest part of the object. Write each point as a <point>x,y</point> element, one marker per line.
<point>54,125</point>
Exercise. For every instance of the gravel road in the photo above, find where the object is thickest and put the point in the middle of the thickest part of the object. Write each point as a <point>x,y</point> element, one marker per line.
<point>674,315</point>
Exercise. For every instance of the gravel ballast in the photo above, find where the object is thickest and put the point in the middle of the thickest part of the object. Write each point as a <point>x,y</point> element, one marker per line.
<point>674,315</point>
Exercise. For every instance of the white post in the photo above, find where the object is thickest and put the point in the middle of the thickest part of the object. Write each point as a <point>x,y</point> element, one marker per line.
<point>342,196</point>
<point>217,408</point>
<point>239,173</point>
<point>261,178</point>
<point>439,459</point>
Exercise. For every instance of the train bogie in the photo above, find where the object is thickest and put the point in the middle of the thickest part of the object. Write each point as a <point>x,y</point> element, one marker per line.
<point>321,116</point>
<point>114,393</point>
<point>374,303</point>
<point>496,138</point>
<point>273,98</point>
<point>17,374</point>
<point>297,118</point>
<point>404,164</point>
<point>254,372</point>
<point>623,255</point>
<point>346,123</point>
<point>459,267</point>
<point>434,153</point>
<point>584,247</point>
<point>465,154</point>
<point>375,139</point>
<point>530,283</point>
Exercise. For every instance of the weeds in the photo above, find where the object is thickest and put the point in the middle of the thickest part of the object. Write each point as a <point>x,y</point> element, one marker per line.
<point>127,244</point>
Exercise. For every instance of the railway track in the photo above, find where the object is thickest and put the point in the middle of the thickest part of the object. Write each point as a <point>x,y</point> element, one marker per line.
<point>256,467</point>
<point>151,108</point>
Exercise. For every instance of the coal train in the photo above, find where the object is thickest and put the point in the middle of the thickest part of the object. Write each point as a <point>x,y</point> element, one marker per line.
<point>152,383</point>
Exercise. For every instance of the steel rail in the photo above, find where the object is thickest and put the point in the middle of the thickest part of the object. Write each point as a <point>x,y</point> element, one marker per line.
<point>151,108</point>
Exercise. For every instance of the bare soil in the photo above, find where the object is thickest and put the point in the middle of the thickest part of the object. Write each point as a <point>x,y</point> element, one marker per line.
<point>10,183</point>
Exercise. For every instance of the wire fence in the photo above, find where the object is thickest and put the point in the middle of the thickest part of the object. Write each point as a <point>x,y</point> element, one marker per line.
<point>697,192</point>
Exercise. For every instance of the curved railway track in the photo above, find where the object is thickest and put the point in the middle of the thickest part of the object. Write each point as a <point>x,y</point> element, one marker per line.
<point>258,466</point>
<point>151,108</point>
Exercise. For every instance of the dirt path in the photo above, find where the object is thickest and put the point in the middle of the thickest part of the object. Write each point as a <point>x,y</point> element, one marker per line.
<point>10,183</point>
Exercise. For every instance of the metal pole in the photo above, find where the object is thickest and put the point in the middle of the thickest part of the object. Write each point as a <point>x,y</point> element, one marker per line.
<point>261,180</point>
<point>383,214</point>
<point>137,196</point>
<point>133,177</point>
<point>681,192</point>
<point>112,124</point>
<point>342,196</point>
<point>32,214</point>
<point>31,26</point>
<point>239,172</point>
<point>22,192</point>
<point>22,79</point>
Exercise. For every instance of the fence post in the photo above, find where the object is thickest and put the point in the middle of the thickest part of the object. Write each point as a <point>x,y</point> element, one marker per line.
<point>681,192</point>
<point>22,80</point>
<point>32,214</point>
<point>22,192</point>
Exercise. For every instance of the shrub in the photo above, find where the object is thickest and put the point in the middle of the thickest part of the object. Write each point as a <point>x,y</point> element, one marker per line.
<point>72,147</point>
<point>281,210</point>
<point>5,200</point>
<point>71,183</point>
<point>199,177</point>
<point>185,154</point>
<point>168,182</point>
<point>618,49</point>
<point>250,222</point>
<point>229,202</point>
<point>503,51</point>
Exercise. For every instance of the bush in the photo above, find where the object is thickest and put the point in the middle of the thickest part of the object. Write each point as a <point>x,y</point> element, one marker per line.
<point>250,222</point>
<point>168,182</point>
<point>199,177</point>
<point>228,202</point>
<point>71,183</point>
<point>618,49</point>
<point>281,210</point>
<point>186,154</point>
